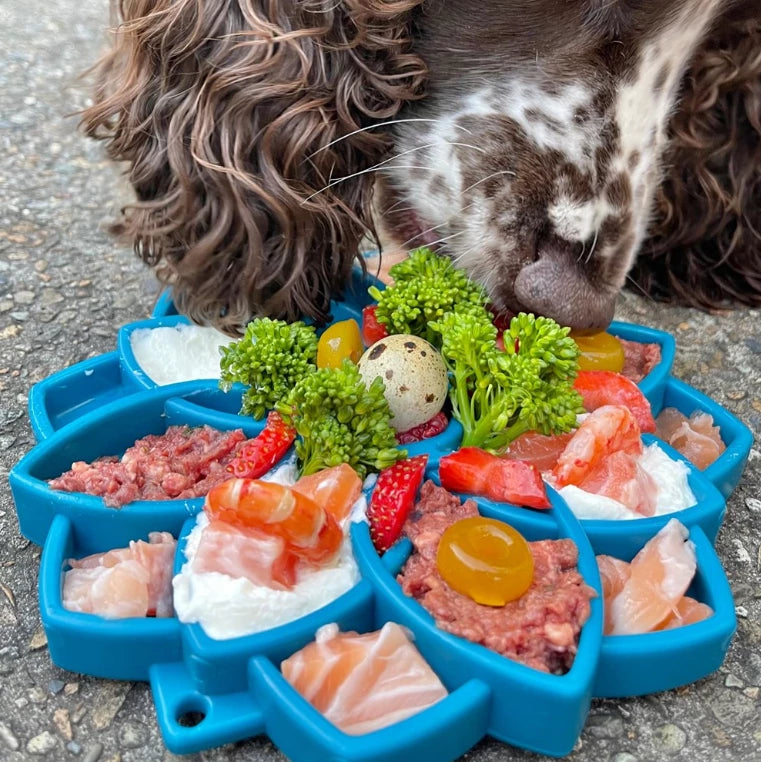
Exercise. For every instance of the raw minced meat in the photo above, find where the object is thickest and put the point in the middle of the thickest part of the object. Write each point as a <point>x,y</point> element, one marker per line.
<point>639,359</point>
<point>540,629</point>
<point>183,463</point>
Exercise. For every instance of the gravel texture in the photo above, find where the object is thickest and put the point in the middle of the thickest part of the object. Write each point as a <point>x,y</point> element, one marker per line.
<point>65,288</point>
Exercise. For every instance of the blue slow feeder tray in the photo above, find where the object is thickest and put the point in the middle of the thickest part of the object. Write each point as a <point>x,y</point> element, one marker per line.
<point>109,431</point>
<point>515,701</point>
<point>626,536</point>
<point>73,392</point>
<point>633,665</point>
<point>120,649</point>
<point>101,406</point>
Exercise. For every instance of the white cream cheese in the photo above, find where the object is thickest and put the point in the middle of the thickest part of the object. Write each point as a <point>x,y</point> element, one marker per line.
<point>171,354</point>
<point>670,476</point>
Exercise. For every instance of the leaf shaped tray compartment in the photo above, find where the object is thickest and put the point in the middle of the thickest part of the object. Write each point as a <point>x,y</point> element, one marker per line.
<point>103,405</point>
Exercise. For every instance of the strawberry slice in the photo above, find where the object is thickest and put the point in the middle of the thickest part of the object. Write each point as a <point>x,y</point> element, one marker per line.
<point>392,500</point>
<point>477,472</point>
<point>372,330</point>
<point>430,428</point>
<point>604,387</point>
<point>258,455</point>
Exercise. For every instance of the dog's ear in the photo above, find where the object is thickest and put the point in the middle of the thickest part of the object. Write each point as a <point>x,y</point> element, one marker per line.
<point>239,120</point>
<point>704,246</point>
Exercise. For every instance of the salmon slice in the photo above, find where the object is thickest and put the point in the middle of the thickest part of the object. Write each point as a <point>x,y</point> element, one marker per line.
<point>688,611</point>
<point>542,451</point>
<point>243,552</point>
<point>336,489</point>
<point>621,478</point>
<point>614,574</point>
<point>609,429</point>
<point>695,437</point>
<point>125,582</point>
<point>365,682</point>
<point>660,574</point>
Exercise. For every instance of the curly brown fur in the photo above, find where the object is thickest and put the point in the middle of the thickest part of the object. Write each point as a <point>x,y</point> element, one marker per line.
<point>705,244</point>
<point>236,118</point>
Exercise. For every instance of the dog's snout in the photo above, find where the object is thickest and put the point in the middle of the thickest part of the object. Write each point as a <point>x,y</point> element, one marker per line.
<point>556,285</point>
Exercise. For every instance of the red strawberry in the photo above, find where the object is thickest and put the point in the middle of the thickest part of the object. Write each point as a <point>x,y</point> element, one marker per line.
<point>256,456</point>
<point>604,387</point>
<point>477,472</point>
<point>392,500</point>
<point>372,330</point>
<point>430,428</point>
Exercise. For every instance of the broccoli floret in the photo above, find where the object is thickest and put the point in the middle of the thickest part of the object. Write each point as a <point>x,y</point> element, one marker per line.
<point>271,358</point>
<point>497,396</point>
<point>340,420</point>
<point>426,287</point>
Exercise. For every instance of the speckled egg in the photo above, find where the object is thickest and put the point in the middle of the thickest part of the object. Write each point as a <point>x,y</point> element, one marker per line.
<point>414,374</point>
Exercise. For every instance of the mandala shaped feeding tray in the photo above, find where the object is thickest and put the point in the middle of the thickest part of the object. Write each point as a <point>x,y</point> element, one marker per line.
<point>233,689</point>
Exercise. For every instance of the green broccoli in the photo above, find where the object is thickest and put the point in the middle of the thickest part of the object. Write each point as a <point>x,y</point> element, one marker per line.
<point>426,287</point>
<point>340,420</point>
<point>270,359</point>
<point>497,396</point>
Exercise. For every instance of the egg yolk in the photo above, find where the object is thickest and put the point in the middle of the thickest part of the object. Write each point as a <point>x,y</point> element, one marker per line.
<point>340,341</point>
<point>599,351</point>
<point>485,559</point>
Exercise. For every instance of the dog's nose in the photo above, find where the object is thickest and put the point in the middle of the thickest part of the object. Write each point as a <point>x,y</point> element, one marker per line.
<point>556,286</point>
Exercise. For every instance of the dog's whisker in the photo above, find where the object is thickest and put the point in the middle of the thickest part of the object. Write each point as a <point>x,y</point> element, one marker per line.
<point>488,177</point>
<point>421,233</point>
<point>592,250</point>
<point>640,289</point>
<point>404,153</point>
<point>338,180</point>
<point>381,124</point>
<point>445,238</point>
<point>429,230</point>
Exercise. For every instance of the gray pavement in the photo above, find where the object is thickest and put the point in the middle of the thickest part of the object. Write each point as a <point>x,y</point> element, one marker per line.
<point>65,288</point>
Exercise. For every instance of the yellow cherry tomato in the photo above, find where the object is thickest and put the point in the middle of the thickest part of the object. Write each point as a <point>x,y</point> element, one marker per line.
<point>340,341</point>
<point>599,351</point>
<point>485,559</point>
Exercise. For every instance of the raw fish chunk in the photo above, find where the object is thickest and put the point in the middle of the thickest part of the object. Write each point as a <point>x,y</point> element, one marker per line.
<point>366,682</point>
<point>621,478</point>
<point>125,582</point>
<point>257,556</point>
<point>542,451</point>
<point>614,574</point>
<point>688,611</point>
<point>695,437</point>
<point>660,574</point>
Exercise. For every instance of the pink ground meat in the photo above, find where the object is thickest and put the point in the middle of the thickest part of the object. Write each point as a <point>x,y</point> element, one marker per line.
<point>182,463</point>
<point>639,359</point>
<point>540,629</point>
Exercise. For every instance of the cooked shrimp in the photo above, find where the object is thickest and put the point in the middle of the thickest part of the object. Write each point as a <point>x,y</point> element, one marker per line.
<point>308,530</point>
<point>608,429</point>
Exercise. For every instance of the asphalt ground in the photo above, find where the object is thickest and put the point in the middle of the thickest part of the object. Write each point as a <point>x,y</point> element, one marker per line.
<point>66,287</point>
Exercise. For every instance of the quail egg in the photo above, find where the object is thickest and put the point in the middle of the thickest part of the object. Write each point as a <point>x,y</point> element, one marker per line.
<point>414,374</point>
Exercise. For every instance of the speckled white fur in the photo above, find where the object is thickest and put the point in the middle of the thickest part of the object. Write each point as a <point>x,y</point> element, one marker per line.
<point>460,215</point>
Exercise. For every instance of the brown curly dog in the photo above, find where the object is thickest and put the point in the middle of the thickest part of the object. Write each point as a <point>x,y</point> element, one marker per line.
<point>548,147</point>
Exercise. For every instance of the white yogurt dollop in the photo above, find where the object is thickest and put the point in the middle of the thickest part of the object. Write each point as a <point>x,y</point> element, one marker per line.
<point>670,476</point>
<point>171,354</point>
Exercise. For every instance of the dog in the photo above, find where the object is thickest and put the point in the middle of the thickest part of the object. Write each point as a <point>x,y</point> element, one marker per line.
<point>555,150</point>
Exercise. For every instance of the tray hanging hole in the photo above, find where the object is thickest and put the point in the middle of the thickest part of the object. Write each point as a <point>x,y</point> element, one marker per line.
<point>191,713</point>
<point>190,718</point>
